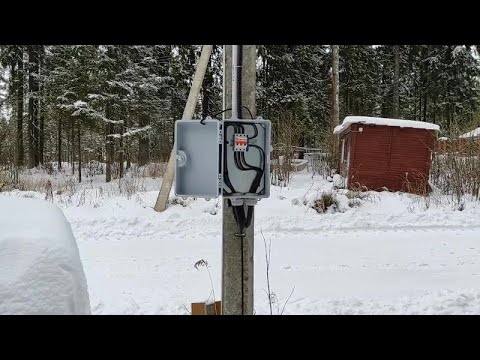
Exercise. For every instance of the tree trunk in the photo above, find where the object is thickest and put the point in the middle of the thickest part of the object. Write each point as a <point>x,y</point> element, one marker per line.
<point>335,105</point>
<point>108,145</point>
<point>68,159</point>
<point>12,90</point>
<point>41,134</point>
<point>144,142</point>
<point>425,106</point>
<point>79,151</point>
<point>346,108</point>
<point>121,154</point>
<point>396,83</point>
<point>72,142</point>
<point>127,145</point>
<point>19,90</point>
<point>41,106</point>
<point>449,117</point>
<point>420,102</point>
<point>59,142</point>
<point>32,106</point>
<point>415,100</point>
<point>108,164</point>
<point>127,155</point>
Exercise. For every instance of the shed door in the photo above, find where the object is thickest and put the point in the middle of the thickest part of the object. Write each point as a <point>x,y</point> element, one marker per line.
<point>347,150</point>
<point>345,157</point>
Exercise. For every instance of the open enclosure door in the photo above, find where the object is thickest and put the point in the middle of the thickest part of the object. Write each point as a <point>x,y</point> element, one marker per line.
<point>197,158</point>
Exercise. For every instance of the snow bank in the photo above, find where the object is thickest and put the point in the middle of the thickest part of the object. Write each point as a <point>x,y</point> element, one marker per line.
<point>384,121</point>
<point>40,267</point>
<point>473,134</point>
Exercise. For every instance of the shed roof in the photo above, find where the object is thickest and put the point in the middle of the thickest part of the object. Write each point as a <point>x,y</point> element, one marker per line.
<point>385,122</point>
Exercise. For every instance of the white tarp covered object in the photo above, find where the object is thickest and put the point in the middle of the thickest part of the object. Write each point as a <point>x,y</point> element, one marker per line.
<point>471,134</point>
<point>40,267</point>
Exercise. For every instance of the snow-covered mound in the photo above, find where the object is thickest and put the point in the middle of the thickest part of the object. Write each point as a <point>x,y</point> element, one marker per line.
<point>40,267</point>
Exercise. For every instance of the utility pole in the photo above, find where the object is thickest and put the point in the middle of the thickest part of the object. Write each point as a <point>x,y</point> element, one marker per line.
<point>237,252</point>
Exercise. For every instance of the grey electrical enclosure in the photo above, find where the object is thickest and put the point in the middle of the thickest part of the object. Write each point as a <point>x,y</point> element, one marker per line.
<point>229,158</point>
<point>197,158</point>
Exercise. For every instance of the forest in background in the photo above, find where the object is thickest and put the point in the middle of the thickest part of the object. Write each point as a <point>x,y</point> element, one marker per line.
<point>117,104</point>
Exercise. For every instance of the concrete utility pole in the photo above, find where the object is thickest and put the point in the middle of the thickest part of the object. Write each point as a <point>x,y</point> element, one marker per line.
<point>162,198</point>
<point>237,254</point>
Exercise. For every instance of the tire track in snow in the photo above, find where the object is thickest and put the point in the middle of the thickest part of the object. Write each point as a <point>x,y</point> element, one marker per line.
<point>399,228</point>
<point>147,227</point>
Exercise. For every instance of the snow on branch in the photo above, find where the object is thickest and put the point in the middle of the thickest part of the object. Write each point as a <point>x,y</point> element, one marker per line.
<point>130,132</point>
<point>80,108</point>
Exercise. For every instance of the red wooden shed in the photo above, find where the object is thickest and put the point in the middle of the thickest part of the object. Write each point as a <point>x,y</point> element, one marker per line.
<point>379,153</point>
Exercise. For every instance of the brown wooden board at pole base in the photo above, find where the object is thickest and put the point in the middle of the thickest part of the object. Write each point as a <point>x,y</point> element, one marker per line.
<point>202,308</point>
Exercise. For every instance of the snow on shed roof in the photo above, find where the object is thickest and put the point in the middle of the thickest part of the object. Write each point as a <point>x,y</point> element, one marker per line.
<point>384,121</point>
<point>473,133</point>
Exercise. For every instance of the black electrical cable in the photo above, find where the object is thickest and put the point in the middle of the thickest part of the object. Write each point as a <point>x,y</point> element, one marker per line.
<point>249,216</point>
<point>226,178</point>
<point>239,216</point>
<point>257,180</point>
<point>255,129</point>
<point>236,156</point>
<point>240,162</point>
<point>225,163</point>
<point>220,112</point>
<point>239,81</point>
<point>262,153</point>
<point>251,115</point>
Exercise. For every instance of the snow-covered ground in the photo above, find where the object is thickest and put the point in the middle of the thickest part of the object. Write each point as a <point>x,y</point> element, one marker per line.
<point>395,253</point>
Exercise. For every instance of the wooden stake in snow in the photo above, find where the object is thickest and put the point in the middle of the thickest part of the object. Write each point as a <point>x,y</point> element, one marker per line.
<point>162,199</point>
